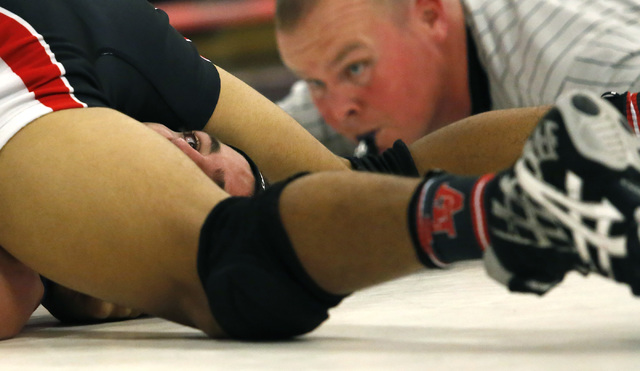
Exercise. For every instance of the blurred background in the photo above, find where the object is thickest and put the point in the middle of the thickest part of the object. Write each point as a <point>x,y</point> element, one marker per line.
<point>237,35</point>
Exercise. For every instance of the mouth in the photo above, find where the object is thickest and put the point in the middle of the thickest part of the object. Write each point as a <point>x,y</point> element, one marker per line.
<point>366,144</point>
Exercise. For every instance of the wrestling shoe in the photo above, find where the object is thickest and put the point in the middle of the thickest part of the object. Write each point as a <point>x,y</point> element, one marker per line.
<point>571,202</point>
<point>627,104</point>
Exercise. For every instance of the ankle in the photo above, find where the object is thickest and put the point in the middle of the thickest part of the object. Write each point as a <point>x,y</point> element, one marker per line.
<point>446,219</point>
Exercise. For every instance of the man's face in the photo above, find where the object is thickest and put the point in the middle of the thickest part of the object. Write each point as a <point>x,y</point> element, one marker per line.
<point>367,74</point>
<point>225,166</point>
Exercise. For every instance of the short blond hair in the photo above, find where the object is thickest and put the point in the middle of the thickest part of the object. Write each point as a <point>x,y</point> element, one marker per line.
<point>289,13</point>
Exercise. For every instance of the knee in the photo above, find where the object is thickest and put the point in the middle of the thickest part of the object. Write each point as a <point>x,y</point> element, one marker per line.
<point>252,301</point>
<point>256,287</point>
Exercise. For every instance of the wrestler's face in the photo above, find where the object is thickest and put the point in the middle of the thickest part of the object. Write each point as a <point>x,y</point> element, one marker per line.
<point>225,166</point>
<point>368,73</point>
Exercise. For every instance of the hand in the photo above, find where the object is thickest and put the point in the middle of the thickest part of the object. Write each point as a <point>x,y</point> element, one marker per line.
<point>74,307</point>
<point>20,294</point>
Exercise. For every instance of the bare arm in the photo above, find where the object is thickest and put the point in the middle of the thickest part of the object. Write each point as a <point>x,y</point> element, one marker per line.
<point>279,145</point>
<point>482,143</point>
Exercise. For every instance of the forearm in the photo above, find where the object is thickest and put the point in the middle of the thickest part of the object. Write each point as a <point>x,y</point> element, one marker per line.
<point>483,143</point>
<point>275,141</point>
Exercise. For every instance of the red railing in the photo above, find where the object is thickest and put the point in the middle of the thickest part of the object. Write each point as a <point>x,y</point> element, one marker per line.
<point>198,16</point>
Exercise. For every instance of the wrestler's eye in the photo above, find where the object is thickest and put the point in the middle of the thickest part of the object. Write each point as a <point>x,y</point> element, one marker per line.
<point>191,139</point>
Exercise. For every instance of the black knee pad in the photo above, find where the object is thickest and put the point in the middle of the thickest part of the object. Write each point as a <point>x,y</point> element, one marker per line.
<point>256,287</point>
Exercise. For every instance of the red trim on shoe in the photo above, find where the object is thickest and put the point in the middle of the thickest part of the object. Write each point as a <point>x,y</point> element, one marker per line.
<point>424,224</point>
<point>633,112</point>
<point>478,213</point>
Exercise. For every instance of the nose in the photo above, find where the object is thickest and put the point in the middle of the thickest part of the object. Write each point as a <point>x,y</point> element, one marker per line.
<point>341,110</point>
<point>162,130</point>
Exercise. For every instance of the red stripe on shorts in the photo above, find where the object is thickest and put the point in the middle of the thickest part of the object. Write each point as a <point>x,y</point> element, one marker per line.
<point>30,58</point>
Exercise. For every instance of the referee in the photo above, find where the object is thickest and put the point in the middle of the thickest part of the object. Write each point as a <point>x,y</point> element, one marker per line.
<point>399,69</point>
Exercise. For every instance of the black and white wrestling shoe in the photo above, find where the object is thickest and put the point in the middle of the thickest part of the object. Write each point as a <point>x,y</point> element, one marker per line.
<point>571,202</point>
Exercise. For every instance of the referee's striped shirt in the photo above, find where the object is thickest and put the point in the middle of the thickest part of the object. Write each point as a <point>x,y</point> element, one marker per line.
<point>533,50</point>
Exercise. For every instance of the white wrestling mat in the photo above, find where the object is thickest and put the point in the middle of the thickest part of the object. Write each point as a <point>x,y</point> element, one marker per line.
<point>440,320</point>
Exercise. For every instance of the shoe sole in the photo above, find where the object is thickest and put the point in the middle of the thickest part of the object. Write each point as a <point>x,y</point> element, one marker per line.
<point>598,131</point>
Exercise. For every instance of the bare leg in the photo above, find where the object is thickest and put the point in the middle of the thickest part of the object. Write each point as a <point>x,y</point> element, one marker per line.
<point>86,207</point>
<point>101,204</point>
<point>479,144</point>
<point>350,230</point>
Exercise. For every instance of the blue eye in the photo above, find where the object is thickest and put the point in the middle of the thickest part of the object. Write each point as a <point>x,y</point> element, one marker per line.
<point>356,69</point>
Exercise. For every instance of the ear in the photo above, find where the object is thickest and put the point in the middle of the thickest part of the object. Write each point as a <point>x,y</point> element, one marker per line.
<point>431,14</point>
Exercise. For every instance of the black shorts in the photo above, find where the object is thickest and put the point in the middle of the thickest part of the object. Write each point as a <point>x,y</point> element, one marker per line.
<point>121,54</point>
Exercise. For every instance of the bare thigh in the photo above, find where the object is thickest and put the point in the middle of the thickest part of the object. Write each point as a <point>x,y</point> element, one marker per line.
<point>101,204</point>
